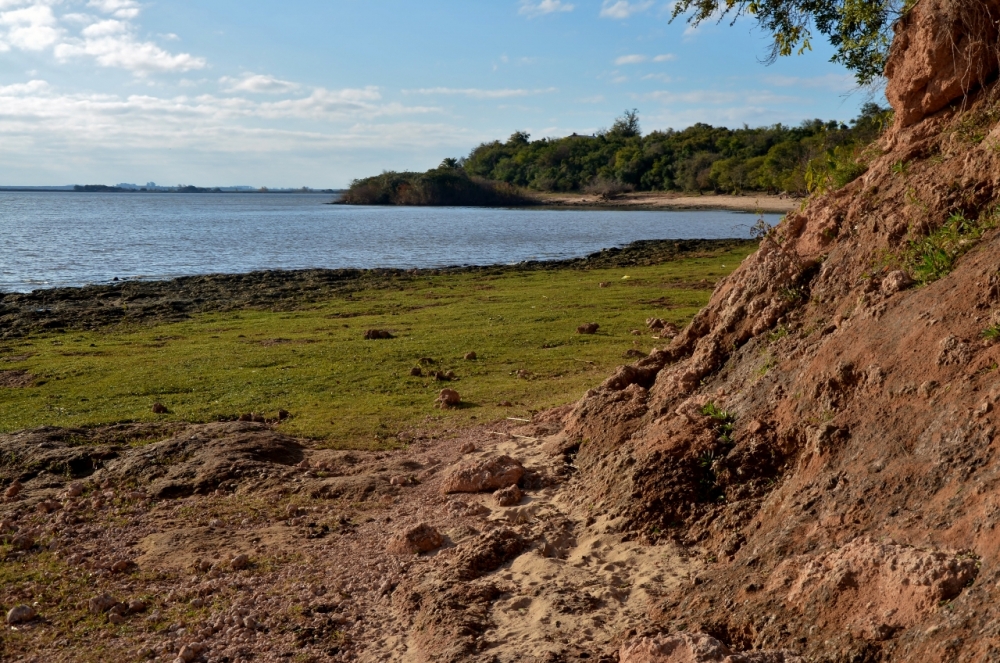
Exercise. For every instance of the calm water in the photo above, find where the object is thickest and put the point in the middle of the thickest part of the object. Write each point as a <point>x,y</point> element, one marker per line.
<point>68,239</point>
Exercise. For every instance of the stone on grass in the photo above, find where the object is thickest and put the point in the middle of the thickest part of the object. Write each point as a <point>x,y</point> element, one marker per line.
<point>470,356</point>
<point>448,398</point>
<point>101,604</point>
<point>588,328</point>
<point>160,408</point>
<point>239,562</point>
<point>20,614</point>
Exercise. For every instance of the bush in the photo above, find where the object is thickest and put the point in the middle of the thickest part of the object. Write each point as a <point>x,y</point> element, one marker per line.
<point>607,189</point>
<point>443,186</point>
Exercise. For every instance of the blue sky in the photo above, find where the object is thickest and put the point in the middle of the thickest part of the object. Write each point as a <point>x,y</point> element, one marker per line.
<point>311,93</point>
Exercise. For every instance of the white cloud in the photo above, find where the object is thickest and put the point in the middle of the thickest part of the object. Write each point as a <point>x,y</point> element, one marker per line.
<point>834,82</point>
<point>532,9</point>
<point>716,97</point>
<point>258,84</point>
<point>35,25</point>
<point>125,52</point>
<point>476,93</point>
<point>664,78</point>
<point>622,9</point>
<point>665,57</point>
<point>33,28</point>
<point>630,59</point>
<point>119,8</point>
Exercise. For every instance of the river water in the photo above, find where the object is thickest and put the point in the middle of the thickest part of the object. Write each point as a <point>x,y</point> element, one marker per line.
<point>50,239</point>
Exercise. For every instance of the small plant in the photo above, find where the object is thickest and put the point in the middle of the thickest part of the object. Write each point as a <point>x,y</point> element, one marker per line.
<point>991,333</point>
<point>934,256</point>
<point>901,168</point>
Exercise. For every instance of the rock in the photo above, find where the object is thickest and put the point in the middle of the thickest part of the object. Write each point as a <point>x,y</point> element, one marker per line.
<point>486,475</point>
<point>23,541</point>
<point>136,605</point>
<point>400,480</point>
<point>505,404</point>
<point>427,361</point>
<point>942,50</point>
<point>116,618</point>
<point>416,372</point>
<point>632,353</point>
<point>13,490</point>
<point>120,566</point>
<point>588,328</point>
<point>420,539</point>
<point>101,604</point>
<point>442,376</point>
<point>239,562</point>
<point>695,648</point>
<point>448,398</point>
<point>656,324</point>
<point>187,654</point>
<point>467,448</point>
<point>20,614</point>
<point>449,375</point>
<point>509,496</point>
<point>160,408</point>
<point>283,414</point>
<point>376,334</point>
<point>75,489</point>
<point>464,509</point>
<point>488,553</point>
<point>470,356</point>
<point>894,282</point>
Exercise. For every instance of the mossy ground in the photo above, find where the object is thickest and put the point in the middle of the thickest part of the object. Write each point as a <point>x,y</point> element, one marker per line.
<point>352,393</point>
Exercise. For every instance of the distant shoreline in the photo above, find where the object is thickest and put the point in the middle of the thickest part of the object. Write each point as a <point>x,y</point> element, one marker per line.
<point>659,200</point>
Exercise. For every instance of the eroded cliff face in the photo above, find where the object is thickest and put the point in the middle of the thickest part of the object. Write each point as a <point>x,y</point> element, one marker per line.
<point>825,431</point>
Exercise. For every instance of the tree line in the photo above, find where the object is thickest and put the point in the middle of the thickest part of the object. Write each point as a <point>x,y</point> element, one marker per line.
<point>813,157</point>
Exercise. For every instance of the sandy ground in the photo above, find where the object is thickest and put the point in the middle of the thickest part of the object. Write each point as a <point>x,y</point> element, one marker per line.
<point>780,204</point>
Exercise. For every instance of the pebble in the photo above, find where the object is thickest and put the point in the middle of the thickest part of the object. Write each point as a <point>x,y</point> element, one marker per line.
<point>13,490</point>
<point>471,356</point>
<point>240,562</point>
<point>75,489</point>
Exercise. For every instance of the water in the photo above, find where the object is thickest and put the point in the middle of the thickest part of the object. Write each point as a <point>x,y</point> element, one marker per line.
<point>69,239</point>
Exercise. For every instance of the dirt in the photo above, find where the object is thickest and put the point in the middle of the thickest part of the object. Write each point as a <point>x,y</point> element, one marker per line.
<point>754,203</point>
<point>150,302</point>
<point>807,472</point>
<point>16,379</point>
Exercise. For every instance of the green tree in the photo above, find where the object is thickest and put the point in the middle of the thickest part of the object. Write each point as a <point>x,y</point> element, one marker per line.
<point>860,30</point>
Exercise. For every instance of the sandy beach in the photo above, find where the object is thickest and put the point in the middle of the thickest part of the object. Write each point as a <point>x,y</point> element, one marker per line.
<point>779,204</point>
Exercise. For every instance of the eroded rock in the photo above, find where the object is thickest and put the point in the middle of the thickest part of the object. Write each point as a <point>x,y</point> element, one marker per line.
<point>485,475</point>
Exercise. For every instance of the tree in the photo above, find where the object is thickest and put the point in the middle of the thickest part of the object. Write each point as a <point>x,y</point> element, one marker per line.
<point>626,126</point>
<point>860,30</point>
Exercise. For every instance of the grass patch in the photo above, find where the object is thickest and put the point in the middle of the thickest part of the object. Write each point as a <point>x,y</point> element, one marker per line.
<point>354,393</point>
<point>934,256</point>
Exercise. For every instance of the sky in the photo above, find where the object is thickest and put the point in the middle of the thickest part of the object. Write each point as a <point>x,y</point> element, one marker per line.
<point>319,92</point>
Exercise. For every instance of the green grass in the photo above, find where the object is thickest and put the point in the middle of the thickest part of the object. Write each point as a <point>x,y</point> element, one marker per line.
<point>349,392</point>
<point>934,256</point>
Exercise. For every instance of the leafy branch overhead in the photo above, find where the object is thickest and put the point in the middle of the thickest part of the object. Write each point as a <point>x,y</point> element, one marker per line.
<point>859,30</point>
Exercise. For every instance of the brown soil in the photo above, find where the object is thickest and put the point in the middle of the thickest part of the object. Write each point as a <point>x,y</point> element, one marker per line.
<point>752,202</point>
<point>807,472</point>
<point>16,379</point>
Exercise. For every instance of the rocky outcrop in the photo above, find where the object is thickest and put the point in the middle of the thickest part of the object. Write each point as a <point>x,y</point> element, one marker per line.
<point>943,50</point>
<point>485,475</point>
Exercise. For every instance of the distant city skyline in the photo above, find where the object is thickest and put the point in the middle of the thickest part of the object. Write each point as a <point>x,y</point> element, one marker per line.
<point>315,94</point>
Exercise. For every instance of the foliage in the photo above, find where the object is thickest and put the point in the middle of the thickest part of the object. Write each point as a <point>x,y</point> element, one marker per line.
<point>860,30</point>
<point>449,184</point>
<point>351,392</point>
<point>699,158</point>
<point>933,257</point>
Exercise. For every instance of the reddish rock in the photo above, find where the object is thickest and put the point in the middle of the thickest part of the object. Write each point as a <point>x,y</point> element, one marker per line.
<point>420,539</point>
<point>160,408</point>
<point>20,614</point>
<point>448,398</point>
<point>509,496</point>
<point>943,49</point>
<point>695,648</point>
<point>588,328</point>
<point>486,475</point>
<point>377,334</point>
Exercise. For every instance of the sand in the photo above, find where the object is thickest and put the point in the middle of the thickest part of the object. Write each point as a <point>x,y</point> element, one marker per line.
<point>776,204</point>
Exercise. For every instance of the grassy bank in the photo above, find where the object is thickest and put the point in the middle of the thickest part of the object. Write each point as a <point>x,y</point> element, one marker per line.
<point>351,392</point>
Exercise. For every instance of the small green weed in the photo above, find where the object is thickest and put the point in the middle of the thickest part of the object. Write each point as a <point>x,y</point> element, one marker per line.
<point>991,333</point>
<point>934,256</point>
